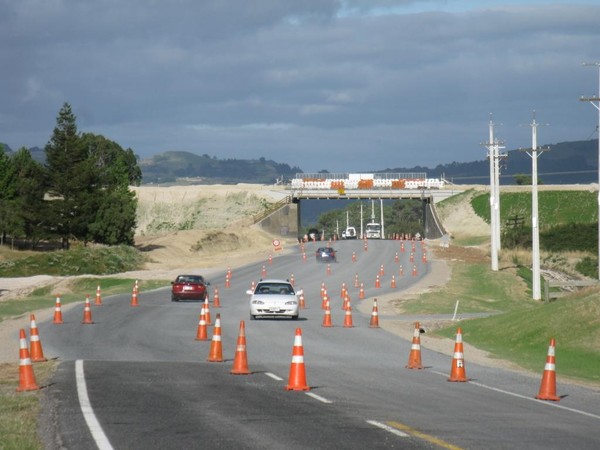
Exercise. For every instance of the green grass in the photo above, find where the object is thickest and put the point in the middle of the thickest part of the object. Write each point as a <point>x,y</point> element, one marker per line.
<point>76,291</point>
<point>77,261</point>
<point>519,330</point>
<point>554,207</point>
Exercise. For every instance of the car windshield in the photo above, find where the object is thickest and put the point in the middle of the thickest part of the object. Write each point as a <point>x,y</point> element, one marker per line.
<point>274,288</point>
<point>190,279</point>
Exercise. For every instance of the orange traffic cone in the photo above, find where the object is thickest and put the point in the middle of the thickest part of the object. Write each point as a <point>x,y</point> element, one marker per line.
<point>325,300</point>
<point>356,282</point>
<point>302,302</point>
<point>202,333</point>
<point>393,282</point>
<point>327,316</point>
<point>227,281</point>
<point>216,347</point>
<point>87,312</point>
<point>57,311</point>
<point>401,270</point>
<point>343,291</point>
<point>414,358</point>
<point>361,293</point>
<point>377,282</point>
<point>134,295</point>
<point>457,371</point>
<point>424,258</point>
<point>353,256</point>
<point>207,312</point>
<point>402,247</point>
<point>292,280</point>
<point>240,361</point>
<point>98,299</point>
<point>548,385</point>
<point>328,269</point>
<point>216,298</point>
<point>414,271</point>
<point>26,376</point>
<point>366,246</point>
<point>374,323</point>
<point>396,258</point>
<point>297,378</point>
<point>348,317</point>
<point>303,256</point>
<point>263,272</point>
<point>381,270</point>
<point>35,345</point>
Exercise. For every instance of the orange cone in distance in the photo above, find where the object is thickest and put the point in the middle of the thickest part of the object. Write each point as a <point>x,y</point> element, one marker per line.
<point>297,378</point>
<point>356,282</point>
<point>58,319</point>
<point>240,361</point>
<point>414,358</point>
<point>302,302</point>
<point>377,282</point>
<point>401,270</point>
<point>134,296</point>
<point>457,371</point>
<point>414,271</point>
<point>35,344</point>
<point>227,281</point>
<point>353,256</point>
<point>202,333</point>
<point>325,300</point>
<point>87,312</point>
<point>361,293</point>
<point>98,299</point>
<point>216,298</point>
<point>548,385</point>
<point>393,282</point>
<point>327,316</point>
<point>381,270</point>
<point>374,323</point>
<point>216,346</point>
<point>348,317</point>
<point>26,376</point>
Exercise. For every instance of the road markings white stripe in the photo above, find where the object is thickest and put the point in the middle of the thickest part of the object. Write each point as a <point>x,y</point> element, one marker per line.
<point>385,427</point>
<point>272,375</point>
<point>86,408</point>
<point>541,402</point>
<point>318,397</point>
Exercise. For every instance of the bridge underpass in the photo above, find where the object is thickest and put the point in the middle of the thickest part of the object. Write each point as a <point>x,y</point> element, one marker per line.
<point>286,220</point>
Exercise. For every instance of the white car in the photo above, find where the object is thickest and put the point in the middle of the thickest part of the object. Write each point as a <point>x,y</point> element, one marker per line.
<point>272,298</point>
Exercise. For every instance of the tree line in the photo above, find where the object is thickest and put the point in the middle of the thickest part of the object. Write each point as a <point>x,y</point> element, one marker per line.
<point>80,193</point>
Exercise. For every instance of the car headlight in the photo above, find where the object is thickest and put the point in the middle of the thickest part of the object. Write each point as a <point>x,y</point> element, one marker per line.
<point>291,302</point>
<point>258,302</point>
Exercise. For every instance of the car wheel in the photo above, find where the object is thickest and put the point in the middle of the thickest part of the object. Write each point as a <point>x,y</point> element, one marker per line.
<point>295,317</point>
<point>252,317</point>
<point>174,299</point>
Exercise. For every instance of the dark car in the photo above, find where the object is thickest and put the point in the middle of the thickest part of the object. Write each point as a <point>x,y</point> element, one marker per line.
<point>189,287</point>
<point>325,254</point>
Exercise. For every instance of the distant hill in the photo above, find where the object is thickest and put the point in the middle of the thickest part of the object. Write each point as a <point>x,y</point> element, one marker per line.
<point>566,163</point>
<point>177,166</point>
<point>37,153</point>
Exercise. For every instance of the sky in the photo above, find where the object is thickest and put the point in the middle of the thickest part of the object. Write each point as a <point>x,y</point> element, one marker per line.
<point>340,85</point>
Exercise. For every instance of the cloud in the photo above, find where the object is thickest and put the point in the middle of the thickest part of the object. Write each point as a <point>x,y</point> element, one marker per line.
<point>320,84</point>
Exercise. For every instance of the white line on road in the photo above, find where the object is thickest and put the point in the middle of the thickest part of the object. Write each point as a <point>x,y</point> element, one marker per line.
<point>385,427</point>
<point>318,397</point>
<point>514,394</point>
<point>272,375</point>
<point>86,408</point>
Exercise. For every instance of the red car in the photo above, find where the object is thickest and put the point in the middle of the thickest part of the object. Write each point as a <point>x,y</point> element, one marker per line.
<point>189,287</point>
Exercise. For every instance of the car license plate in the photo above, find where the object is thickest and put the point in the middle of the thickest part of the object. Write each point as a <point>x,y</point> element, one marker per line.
<point>188,288</point>
<point>274,309</point>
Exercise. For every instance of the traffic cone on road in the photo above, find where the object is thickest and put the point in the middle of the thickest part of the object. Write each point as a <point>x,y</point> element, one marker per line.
<point>302,302</point>
<point>401,270</point>
<point>98,299</point>
<point>216,298</point>
<point>227,281</point>
<point>361,293</point>
<point>393,282</point>
<point>35,344</point>
<point>325,300</point>
<point>87,312</point>
<point>414,358</point>
<point>377,282</point>
<point>374,323</point>
<point>348,318</point>
<point>356,282</point>
<point>381,270</point>
<point>414,271</point>
<point>216,347</point>
<point>134,295</point>
<point>58,319</point>
<point>297,378</point>
<point>457,371</point>
<point>207,312</point>
<point>327,316</point>
<point>240,361</point>
<point>26,376</point>
<point>548,385</point>
<point>202,333</point>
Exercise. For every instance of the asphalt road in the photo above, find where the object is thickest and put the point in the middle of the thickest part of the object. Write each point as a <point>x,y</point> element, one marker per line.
<point>149,385</point>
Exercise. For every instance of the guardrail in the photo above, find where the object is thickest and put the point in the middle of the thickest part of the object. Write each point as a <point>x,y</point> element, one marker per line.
<point>548,294</point>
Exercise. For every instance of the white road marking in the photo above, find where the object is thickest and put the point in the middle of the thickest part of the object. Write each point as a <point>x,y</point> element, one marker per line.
<point>318,397</point>
<point>86,408</point>
<point>387,428</point>
<point>272,375</point>
<point>514,394</point>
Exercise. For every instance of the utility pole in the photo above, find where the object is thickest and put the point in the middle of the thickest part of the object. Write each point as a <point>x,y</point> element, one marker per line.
<point>535,229</point>
<point>493,147</point>
<point>592,100</point>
